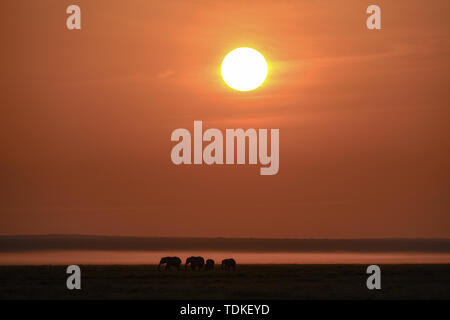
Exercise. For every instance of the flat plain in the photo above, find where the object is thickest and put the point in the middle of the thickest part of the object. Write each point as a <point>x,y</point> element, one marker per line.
<point>288,282</point>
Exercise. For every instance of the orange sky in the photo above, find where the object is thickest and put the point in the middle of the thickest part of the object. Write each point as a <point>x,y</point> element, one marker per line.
<point>86,118</point>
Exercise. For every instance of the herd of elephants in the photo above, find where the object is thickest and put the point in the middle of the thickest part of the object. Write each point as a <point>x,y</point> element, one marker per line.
<point>196,263</point>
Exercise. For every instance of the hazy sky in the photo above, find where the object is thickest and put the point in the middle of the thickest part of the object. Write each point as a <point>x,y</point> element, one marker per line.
<point>86,118</point>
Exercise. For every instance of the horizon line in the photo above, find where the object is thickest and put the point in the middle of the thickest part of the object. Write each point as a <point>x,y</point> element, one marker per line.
<point>211,237</point>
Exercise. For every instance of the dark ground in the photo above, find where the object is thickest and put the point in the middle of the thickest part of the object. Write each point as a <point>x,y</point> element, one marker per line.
<point>248,282</point>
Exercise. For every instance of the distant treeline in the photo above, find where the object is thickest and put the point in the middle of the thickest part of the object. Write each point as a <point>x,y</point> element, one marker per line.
<point>75,242</point>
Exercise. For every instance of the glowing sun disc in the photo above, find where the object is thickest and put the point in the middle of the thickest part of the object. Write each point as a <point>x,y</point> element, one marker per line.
<point>244,69</point>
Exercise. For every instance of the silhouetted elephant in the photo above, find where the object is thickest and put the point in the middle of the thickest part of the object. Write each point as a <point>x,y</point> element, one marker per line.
<point>228,265</point>
<point>209,265</point>
<point>195,262</point>
<point>170,262</point>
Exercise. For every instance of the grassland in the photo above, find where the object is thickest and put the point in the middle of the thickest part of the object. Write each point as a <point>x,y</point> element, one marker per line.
<point>248,282</point>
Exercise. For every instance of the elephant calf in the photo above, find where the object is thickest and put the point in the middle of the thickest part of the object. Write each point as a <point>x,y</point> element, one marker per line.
<point>209,265</point>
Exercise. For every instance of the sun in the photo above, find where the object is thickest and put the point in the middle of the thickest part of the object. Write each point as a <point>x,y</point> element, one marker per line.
<point>244,69</point>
